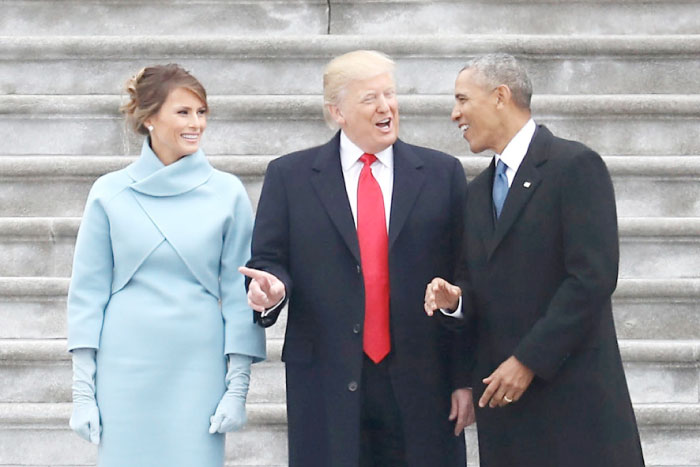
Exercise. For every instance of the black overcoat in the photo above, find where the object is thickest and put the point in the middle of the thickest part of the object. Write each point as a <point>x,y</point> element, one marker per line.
<point>537,284</point>
<point>305,235</point>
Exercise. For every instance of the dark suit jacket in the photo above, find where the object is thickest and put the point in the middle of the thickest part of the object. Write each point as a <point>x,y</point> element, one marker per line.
<point>537,284</point>
<point>305,235</point>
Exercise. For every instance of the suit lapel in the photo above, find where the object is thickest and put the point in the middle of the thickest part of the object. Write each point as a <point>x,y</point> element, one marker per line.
<point>329,183</point>
<point>408,181</point>
<point>526,181</point>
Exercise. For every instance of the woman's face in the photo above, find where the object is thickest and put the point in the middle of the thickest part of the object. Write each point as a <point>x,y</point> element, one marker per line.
<point>178,125</point>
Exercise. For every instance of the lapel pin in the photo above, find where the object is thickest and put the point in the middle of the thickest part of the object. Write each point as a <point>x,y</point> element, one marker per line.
<point>527,184</point>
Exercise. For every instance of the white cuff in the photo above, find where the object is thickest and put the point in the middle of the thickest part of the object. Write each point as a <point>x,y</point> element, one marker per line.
<point>456,313</point>
<point>270,310</point>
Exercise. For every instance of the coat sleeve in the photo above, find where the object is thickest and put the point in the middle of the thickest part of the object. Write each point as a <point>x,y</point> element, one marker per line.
<point>462,359</point>
<point>591,254</point>
<point>241,334</point>
<point>91,281</point>
<point>270,247</point>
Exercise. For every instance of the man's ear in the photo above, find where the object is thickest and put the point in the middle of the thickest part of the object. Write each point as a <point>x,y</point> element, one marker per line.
<point>336,114</point>
<point>503,95</point>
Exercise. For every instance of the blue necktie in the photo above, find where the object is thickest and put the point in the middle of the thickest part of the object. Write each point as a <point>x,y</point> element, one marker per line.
<point>500,187</point>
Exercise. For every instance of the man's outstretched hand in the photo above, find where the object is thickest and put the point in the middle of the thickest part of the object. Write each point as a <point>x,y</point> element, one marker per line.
<point>265,290</point>
<point>441,294</point>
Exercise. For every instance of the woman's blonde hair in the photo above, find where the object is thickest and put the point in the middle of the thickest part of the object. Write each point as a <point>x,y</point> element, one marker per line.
<point>342,70</point>
<point>150,87</point>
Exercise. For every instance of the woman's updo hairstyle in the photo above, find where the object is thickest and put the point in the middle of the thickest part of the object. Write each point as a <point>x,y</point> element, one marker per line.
<point>150,87</point>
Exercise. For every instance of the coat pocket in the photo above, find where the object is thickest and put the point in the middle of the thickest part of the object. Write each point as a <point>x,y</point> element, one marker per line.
<point>297,351</point>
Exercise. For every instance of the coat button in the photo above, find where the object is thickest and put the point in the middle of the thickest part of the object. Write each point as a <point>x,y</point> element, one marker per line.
<point>352,387</point>
<point>356,328</point>
<point>359,270</point>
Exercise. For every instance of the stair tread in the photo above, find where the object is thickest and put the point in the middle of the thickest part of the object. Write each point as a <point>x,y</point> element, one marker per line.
<point>676,414</point>
<point>49,228</point>
<point>300,105</point>
<point>685,351</point>
<point>249,164</point>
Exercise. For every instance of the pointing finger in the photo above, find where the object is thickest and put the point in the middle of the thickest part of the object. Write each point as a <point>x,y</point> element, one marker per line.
<point>252,273</point>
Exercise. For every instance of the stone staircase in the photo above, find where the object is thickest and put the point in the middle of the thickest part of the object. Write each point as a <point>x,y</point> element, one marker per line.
<point>619,75</point>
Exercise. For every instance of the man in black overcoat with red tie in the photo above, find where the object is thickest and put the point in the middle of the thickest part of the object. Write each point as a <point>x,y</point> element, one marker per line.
<point>348,234</point>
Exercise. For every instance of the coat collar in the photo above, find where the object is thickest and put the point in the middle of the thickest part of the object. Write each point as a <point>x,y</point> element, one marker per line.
<point>153,178</point>
<point>526,181</point>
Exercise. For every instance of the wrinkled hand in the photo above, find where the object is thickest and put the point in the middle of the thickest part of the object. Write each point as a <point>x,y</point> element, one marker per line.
<point>510,380</point>
<point>230,413</point>
<point>85,420</point>
<point>441,294</point>
<point>265,290</point>
<point>462,409</point>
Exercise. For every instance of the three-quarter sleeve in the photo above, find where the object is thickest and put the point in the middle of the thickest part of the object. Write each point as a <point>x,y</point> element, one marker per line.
<point>241,334</point>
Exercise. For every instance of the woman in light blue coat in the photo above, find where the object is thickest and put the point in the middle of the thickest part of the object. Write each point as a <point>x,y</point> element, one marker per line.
<point>156,307</point>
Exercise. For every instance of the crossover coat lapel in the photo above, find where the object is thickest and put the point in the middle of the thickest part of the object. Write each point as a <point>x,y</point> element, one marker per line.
<point>156,189</point>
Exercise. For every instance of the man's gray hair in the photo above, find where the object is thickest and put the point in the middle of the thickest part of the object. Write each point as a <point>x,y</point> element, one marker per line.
<point>496,69</point>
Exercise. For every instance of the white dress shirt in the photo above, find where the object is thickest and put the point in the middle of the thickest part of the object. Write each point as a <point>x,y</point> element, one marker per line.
<point>514,152</point>
<point>382,169</point>
<point>512,155</point>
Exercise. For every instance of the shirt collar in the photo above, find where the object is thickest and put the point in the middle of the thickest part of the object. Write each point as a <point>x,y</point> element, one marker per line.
<point>515,150</point>
<point>350,153</point>
<point>152,177</point>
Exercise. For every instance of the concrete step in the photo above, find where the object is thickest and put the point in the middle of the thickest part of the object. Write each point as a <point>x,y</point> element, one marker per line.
<point>558,64</point>
<point>37,435</point>
<point>208,17</point>
<point>649,247</point>
<point>587,17</point>
<point>670,434</point>
<point>657,309</point>
<point>34,308</point>
<point>50,186</point>
<point>273,17</point>
<point>263,125</point>
<point>38,370</point>
<point>659,248</point>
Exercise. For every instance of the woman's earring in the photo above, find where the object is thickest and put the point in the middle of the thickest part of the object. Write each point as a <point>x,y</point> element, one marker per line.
<point>150,127</point>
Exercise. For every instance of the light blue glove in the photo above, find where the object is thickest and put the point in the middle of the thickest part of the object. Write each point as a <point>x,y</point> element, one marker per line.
<point>85,419</point>
<point>230,413</point>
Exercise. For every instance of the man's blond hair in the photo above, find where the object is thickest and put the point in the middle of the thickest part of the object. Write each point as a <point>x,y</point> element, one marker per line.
<point>352,66</point>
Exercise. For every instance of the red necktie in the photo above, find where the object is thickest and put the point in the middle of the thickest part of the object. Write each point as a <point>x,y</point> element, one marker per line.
<point>374,253</point>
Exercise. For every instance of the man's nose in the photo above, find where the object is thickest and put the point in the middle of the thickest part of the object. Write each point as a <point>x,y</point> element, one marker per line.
<point>455,113</point>
<point>382,104</point>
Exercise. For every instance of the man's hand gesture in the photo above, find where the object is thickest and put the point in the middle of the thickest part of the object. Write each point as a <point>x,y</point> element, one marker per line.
<point>265,290</point>
<point>441,294</point>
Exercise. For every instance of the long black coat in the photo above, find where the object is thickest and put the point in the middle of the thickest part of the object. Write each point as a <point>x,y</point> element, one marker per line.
<point>305,235</point>
<point>537,284</point>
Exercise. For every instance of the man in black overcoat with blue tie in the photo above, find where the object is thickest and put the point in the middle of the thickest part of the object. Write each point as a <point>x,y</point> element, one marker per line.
<point>348,234</point>
<point>539,265</point>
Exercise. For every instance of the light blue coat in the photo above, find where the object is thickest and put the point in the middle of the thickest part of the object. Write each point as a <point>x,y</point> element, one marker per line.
<point>155,289</point>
